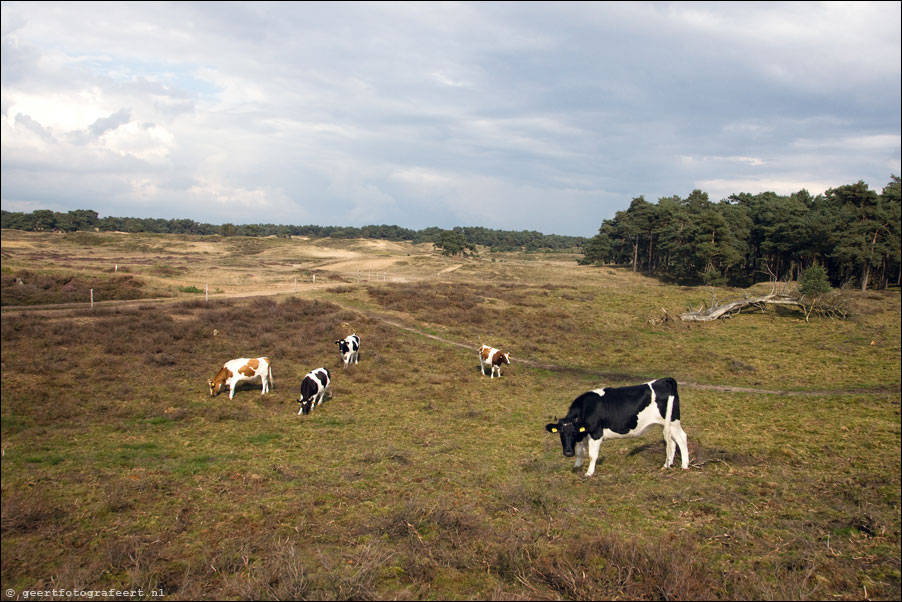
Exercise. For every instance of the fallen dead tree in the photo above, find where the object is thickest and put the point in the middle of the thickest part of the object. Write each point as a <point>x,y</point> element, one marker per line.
<point>832,307</point>
<point>728,310</point>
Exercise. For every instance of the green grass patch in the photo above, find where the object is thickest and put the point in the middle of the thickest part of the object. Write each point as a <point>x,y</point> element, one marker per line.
<point>159,420</point>
<point>195,464</point>
<point>263,438</point>
<point>48,459</point>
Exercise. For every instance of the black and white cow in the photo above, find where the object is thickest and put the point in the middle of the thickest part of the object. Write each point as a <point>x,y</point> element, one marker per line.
<point>616,412</point>
<point>313,389</point>
<point>349,348</point>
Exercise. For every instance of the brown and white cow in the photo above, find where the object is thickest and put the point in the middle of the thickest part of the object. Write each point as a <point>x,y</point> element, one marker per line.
<point>494,358</point>
<point>240,370</point>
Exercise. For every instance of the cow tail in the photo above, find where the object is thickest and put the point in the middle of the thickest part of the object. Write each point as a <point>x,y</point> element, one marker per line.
<point>675,411</point>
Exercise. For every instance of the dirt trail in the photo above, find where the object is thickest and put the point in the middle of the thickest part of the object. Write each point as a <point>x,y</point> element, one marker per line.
<point>621,377</point>
<point>61,309</point>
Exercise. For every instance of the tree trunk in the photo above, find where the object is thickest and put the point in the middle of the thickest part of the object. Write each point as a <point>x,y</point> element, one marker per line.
<point>636,254</point>
<point>651,240</point>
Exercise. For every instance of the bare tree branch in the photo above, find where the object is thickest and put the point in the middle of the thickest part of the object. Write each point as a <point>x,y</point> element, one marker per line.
<point>832,308</point>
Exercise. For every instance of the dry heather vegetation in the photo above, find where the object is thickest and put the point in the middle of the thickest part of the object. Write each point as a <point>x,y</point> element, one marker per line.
<point>422,479</point>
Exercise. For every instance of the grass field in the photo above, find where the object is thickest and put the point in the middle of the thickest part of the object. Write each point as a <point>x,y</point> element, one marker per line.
<point>422,479</point>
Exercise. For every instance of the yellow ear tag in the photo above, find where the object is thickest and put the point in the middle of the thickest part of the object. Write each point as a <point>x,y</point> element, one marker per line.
<point>582,429</point>
<point>553,430</point>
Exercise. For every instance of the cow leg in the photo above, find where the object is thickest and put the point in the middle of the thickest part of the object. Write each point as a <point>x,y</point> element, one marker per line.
<point>580,452</point>
<point>668,435</point>
<point>669,446</point>
<point>594,445</point>
<point>679,435</point>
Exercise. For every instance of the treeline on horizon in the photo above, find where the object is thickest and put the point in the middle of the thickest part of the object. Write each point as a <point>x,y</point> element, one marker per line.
<point>86,219</point>
<point>850,231</point>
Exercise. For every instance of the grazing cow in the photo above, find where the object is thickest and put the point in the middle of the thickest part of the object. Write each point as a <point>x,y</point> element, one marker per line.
<point>313,390</point>
<point>494,358</point>
<point>243,369</point>
<point>613,413</point>
<point>349,348</point>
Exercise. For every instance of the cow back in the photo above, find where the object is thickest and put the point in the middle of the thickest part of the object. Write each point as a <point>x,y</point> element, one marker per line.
<point>618,408</point>
<point>314,382</point>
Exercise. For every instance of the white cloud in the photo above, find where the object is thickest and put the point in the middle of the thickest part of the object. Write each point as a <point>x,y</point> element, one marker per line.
<point>750,161</point>
<point>224,195</point>
<point>723,188</point>
<point>447,81</point>
<point>148,143</point>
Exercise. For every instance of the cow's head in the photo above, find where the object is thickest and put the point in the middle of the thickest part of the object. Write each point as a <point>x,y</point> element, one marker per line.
<point>343,345</point>
<point>571,432</point>
<point>506,358</point>
<point>306,405</point>
<point>216,383</point>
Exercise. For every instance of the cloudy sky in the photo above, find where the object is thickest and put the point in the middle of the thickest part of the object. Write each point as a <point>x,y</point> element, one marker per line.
<point>510,115</point>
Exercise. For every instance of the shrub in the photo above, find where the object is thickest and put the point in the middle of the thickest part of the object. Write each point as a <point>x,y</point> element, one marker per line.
<point>813,282</point>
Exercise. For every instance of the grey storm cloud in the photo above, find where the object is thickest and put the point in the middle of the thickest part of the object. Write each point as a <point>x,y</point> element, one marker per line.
<point>101,127</point>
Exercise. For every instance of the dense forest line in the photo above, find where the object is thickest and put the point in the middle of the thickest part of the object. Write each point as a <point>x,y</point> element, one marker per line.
<point>850,231</point>
<point>454,241</point>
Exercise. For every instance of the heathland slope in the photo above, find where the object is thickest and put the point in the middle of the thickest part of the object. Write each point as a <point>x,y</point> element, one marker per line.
<point>422,479</point>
